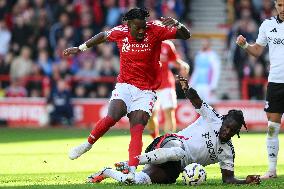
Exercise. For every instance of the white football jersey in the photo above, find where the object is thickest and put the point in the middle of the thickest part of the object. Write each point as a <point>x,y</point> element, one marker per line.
<point>271,32</point>
<point>202,144</point>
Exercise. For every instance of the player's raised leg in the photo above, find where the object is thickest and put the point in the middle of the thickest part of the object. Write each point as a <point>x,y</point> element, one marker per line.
<point>117,109</point>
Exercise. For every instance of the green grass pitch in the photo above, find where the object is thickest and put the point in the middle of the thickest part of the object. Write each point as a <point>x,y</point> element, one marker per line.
<point>37,158</point>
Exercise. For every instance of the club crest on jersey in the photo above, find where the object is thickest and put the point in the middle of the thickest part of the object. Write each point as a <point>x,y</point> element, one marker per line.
<point>125,45</point>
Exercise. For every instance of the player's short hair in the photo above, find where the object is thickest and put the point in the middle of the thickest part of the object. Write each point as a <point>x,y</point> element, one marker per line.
<point>136,13</point>
<point>238,116</point>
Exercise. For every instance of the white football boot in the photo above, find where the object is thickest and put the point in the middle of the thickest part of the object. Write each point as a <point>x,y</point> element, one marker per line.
<point>79,150</point>
<point>269,175</point>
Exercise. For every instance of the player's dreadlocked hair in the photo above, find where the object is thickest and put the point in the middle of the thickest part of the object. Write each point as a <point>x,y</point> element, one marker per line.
<point>238,116</point>
<point>136,13</point>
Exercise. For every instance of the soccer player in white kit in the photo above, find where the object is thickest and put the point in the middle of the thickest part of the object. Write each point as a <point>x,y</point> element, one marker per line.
<point>271,32</point>
<point>206,141</point>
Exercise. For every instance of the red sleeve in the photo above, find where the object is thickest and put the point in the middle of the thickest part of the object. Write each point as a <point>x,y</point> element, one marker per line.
<point>164,33</point>
<point>172,53</point>
<point>116,33</point>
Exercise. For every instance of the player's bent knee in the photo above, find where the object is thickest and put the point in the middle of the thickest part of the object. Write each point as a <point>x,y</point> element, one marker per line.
<point>273,129</point>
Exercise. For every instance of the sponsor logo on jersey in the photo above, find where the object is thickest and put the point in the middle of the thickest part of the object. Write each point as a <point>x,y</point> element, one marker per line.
<point>126,46</point>
<point>278,41</point>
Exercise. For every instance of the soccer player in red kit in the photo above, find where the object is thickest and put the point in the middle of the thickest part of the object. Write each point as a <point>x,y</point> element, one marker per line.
<point>139,44</point>
<point>166,94</point>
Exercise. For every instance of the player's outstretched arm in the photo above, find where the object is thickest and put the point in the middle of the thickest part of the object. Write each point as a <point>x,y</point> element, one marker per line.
<point>254,49</point>
<point>190,93</point>
<point>228,177</point>
<point>97,39</point>
<point>182,31</point>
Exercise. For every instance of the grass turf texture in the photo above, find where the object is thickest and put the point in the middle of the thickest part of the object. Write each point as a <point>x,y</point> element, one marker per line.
<point>37,158</point>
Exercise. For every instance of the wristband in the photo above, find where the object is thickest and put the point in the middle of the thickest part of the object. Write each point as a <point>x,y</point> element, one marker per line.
<point>245,45</point>
<point>83,47</point>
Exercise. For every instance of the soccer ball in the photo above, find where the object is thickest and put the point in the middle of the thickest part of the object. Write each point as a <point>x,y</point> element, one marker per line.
<point>193,174</point>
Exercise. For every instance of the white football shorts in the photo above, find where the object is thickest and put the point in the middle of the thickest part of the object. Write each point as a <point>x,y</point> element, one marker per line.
<point>134,98</point>
<point>167,98</point>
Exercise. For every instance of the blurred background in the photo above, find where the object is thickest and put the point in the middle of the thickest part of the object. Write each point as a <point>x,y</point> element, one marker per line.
<point>41,88</point>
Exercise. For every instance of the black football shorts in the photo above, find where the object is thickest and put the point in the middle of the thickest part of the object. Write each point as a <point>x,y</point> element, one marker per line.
<point>274,98</point>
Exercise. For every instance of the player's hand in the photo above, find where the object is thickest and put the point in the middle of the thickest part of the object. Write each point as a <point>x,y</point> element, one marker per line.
<point>241,40</point>
<point>183,82</point>
<point>169,22</point>
<point>185,67</point>
<point>253,179</point>
<point>71,51</point>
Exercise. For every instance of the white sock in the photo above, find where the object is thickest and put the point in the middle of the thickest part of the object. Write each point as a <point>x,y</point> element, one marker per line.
<point>116,175</point>
<point>272,144</point>
<point>132,169</point>
<point>139,178</point>
<point>162,155</point>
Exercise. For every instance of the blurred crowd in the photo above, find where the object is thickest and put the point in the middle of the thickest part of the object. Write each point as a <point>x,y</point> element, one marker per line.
<point>33,34</point>
<point>247,15</point>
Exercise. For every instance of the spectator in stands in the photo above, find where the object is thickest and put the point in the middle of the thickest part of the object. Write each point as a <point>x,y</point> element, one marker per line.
<point>21,34</point>
<point>257,91</point>
<point>103,91</point>
<point>44,62</point>
<point>107,65</point>
<point>266,10</point>
<point>21,65</point>
<point>80,91</point>
<point>206,73</point>
<point>107,55</point>
<point>34,84</point>
<point>3,9</point>
<point>113,13</point>
<point>244,26</point>
<point>68,34</point>
<point>42,45</point>
<point>86,74</point>
<point>245,5</point>
<point>59,105</point>
<point>5,37</point>
<point>16,89</point>
<point>48,27</point>
<point>5,62</point>
<point>57,29</point>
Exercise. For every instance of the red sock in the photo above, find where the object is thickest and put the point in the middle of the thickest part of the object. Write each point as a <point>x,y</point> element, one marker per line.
<point>102,126</point>
<point>135,145</point>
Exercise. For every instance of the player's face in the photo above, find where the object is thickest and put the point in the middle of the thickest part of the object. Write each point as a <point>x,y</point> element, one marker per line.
<point>279,5</point>
<point>228,129</point>
<point>137,29</point>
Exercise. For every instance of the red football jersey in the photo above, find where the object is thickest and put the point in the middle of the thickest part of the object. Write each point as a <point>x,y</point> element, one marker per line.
<point>139,61</point>
<point>168,55</point>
